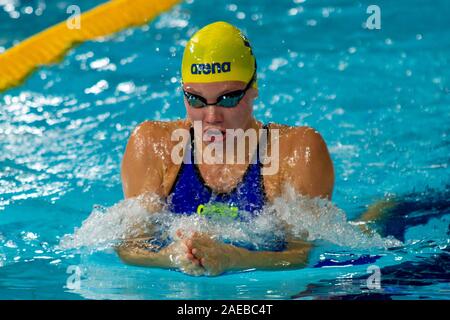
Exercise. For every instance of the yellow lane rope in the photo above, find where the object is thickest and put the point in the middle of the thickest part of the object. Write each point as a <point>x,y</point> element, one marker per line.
<point>51,44</point>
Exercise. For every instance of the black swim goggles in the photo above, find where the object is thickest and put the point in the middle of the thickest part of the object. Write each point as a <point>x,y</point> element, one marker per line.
<point>228,100</point>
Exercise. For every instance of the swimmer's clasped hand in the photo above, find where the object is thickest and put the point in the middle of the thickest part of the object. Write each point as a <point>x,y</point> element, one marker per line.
<point>208,255</point>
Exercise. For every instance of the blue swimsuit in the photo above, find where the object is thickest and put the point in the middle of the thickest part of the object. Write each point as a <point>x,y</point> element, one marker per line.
<point>190,195</point>
<point>190,190</point>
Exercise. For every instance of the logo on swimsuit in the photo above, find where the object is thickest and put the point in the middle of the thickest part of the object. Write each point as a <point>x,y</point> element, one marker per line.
<point>217,210</point>
<point>207,68</point>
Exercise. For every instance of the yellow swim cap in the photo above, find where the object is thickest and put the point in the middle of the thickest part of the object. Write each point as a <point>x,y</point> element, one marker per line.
<point>218,52</point>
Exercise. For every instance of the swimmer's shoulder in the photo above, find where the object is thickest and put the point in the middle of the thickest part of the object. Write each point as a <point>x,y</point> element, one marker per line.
<point>147,157</point>
<point>157,130</point>
<point>304,160</point>
<point>150,142</point>
<point>155,136</point>
<point>298,137</point>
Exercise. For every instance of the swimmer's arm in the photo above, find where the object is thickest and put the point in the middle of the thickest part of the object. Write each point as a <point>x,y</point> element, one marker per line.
<point>294,257</point>
<point>139,256</point>
<point>217,257</point>
<point>174,256</point>
<point>142,165</point>
<point>375,212</point>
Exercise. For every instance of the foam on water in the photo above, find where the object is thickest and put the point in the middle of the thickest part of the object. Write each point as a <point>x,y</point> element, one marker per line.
<point>300,217</point>
<point>320,219</point>
<point>107,226</point>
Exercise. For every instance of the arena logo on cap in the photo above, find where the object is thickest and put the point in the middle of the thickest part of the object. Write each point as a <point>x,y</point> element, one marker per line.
<point>210,68</point>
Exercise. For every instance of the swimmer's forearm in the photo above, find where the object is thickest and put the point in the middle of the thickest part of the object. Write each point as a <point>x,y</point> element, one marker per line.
<point>269,260</point>
<point>144,258</point>
<point>375,212</point>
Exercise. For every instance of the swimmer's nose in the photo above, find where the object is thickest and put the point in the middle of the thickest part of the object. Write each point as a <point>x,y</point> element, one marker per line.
<point>213,115</point>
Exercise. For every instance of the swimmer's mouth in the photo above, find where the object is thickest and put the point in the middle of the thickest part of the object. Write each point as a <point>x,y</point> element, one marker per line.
<point>214,135</point>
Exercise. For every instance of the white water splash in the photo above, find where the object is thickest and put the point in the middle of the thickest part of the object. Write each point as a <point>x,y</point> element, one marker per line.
<point>304,219</point>
<point>106,226</point>
<point>320,219</point>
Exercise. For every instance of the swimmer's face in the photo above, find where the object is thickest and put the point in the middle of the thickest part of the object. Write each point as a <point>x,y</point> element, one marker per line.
<point>221,118</point>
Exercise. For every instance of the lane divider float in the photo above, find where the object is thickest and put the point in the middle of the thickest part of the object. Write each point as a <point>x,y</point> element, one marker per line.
<point>50,45</point>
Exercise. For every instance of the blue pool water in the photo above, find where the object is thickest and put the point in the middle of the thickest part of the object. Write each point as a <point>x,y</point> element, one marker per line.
<point>380,98</point>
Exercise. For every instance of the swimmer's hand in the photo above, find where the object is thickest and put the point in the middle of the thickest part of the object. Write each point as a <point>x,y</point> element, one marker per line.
<point>217,257</point>
<point>212,256</point>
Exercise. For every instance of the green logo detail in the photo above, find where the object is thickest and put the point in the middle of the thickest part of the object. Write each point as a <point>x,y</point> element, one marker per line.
<point>217,210</point>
